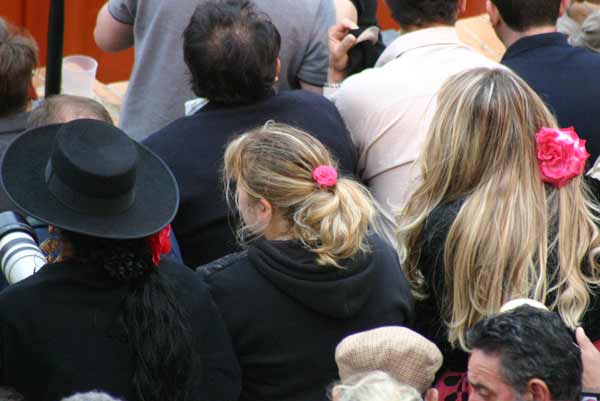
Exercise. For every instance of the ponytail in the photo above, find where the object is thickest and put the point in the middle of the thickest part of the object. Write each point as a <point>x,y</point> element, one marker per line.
<point>155,326</point>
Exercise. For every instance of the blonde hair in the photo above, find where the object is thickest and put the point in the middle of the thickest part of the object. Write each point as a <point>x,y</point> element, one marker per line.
<point>276,163</point>
<point>373,386</point>
<point>481,148</point>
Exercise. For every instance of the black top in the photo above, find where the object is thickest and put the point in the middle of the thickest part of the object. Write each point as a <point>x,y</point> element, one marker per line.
<point>10,127</point>
<point>58,335</point>
<point>193,148</point>
<point>286,314</point>
<point>429,320</point>
<point>566,78</point>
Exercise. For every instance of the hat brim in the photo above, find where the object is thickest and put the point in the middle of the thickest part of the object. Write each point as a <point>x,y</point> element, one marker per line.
<point>23,179</point>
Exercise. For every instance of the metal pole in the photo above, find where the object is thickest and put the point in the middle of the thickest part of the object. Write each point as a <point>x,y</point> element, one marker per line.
<point>56,28</point>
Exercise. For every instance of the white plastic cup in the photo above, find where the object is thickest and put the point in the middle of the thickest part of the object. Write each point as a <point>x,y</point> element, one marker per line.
<point>79,75</point>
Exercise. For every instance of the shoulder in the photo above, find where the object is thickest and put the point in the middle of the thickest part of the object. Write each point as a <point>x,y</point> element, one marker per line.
<point>303,96</point>
<point>226,265</point>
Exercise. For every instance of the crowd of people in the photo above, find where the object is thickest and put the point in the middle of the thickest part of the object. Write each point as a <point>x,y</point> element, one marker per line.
<point>288,212</point>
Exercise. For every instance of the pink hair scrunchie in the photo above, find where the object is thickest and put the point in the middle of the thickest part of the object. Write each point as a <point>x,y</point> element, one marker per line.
<point>325,176</point>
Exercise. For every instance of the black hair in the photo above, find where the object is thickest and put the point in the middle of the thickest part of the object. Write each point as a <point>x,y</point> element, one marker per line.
<point>231,52</point>
<point>520,15</point>
<point>532,343</point>
<point>52,110</point>
<point>423,12</point>
<point>154,324</point>
<point>18,58</point>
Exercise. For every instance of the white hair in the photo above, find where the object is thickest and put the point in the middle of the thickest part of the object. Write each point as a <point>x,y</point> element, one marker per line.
<point>91,396</point>
<point>373,386</point>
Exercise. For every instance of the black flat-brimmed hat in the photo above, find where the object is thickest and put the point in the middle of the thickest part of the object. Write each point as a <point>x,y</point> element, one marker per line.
<point>89,177</point>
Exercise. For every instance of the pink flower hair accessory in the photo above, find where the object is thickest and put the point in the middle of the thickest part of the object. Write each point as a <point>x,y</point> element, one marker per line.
<point>561,155</point>
<point>325,176</point>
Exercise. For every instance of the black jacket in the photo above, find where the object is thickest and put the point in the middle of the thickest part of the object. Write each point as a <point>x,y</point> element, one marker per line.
<point>58,335</point>
<point>193,149</point>
<point>286,314</point>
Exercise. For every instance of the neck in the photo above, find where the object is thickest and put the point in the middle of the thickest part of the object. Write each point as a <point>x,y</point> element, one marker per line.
<point>509,36</point>
<point>412,28</point>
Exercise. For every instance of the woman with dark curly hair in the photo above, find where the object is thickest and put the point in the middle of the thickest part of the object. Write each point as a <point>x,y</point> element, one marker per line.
<point>109,313</point>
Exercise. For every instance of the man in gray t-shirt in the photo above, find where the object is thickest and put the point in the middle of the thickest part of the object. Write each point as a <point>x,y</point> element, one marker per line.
<point>159,84</point>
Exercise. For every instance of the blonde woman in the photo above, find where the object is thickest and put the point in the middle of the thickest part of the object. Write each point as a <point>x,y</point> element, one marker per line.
<point>310,276</point>
<point>498,215</point>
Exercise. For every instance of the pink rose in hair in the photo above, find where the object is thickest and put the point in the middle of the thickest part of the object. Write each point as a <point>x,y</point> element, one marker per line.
<point>561,155</point>
<point>160,244</point>
<point>325,176</point>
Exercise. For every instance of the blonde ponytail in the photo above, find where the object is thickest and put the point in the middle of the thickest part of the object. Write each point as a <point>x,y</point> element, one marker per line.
<point>276,163</point>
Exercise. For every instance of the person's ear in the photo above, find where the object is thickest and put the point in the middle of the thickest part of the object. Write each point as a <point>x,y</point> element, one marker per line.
<point>538,390</point>
<point>493,13</point>
<point>462,6</point>
<point>564,6</point>
<point>277,69</point>
<point>264,211</point>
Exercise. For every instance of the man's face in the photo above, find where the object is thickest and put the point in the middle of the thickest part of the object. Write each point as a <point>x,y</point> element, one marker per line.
<point>486,378</point>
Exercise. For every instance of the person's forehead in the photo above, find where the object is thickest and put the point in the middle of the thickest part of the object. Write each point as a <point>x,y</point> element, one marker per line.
<point>485,370</point>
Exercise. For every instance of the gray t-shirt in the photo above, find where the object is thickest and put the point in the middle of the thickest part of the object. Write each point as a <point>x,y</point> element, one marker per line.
<point>159,84</point>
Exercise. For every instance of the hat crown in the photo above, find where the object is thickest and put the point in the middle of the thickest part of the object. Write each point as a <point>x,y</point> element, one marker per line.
<point>94,158</point>
<point>92,167</point>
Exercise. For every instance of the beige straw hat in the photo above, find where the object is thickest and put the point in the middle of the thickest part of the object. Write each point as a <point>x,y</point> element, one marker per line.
<point>405,355</point>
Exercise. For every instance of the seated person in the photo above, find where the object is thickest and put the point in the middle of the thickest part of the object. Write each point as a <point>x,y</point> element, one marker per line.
<point>503,212</point>
<point>18,58</point>
<point>159,86</point>
<point>524,354</point>
<point>110,313</point>
<point>231,52</point>
<point>312,273</point>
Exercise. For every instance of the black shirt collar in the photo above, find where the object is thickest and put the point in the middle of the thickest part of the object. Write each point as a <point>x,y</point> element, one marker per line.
<point>535,41</point>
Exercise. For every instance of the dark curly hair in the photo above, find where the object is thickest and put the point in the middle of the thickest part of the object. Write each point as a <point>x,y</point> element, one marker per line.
<point>521,15</point>
<point>423,12</point>
<point>150,315</point>
<point>231,51</point>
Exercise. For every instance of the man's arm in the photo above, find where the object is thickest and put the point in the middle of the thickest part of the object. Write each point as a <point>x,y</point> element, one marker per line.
<point>110,34</point>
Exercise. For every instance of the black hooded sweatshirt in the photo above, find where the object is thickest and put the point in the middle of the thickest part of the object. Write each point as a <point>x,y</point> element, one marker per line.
<point>286,314</point>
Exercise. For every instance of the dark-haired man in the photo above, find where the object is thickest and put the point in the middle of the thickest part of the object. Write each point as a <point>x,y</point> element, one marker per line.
<point>565,77</point>
<point>159,88</point>
<point>388,108</point>
<point>231,50</point>
<point>524,354</point>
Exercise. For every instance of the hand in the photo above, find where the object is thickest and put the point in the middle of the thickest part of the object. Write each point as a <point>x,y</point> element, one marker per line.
<point>340,42</point>
<point>590,358</point>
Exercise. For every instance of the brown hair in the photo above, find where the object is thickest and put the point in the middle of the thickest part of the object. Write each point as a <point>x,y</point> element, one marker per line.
<point>276,163</point>
<point>18,58</point>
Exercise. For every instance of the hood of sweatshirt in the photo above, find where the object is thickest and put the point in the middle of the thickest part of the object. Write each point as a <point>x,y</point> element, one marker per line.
<point>335,292</point>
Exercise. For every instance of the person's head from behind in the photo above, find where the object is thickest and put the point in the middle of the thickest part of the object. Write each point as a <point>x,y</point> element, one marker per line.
<point>18,58</point>
<point>286,187</point>
<point>482,150</point>
<point>64,108</point>
<point>522,16</point>
<point>524,354</point>
<point>373,386</point>
<point>231,52</point>
<point>416,14</point>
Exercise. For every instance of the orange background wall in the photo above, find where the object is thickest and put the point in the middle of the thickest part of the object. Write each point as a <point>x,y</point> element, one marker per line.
<point>80,18</point>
